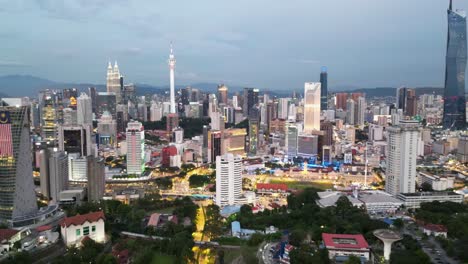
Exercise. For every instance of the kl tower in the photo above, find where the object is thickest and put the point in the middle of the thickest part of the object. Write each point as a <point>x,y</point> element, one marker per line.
<point>172,62</point>
<point>172,117</point>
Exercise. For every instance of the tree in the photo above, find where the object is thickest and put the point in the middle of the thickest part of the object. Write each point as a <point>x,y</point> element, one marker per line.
<point>353,260</point>
<point>426,187</point>
<point>213,225</point>
<point>398,223</point>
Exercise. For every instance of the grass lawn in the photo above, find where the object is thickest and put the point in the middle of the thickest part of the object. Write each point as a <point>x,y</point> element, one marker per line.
<point>303,185</point>
<point>232,254</point>
<point>159,258</point>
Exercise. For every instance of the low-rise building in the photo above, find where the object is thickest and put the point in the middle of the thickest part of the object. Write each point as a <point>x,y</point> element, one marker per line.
<point>414,200</point>
<point>438,183</point>
<point>341,246</point>
<point>435,230</point>
<point>74,229</point>
<point>270,188</point>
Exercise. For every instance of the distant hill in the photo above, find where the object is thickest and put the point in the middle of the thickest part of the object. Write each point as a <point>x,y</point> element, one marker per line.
<point>389,91</point>
<point>27,85</point>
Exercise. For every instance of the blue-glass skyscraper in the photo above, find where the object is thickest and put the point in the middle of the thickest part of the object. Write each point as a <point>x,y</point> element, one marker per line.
<point>454,93</point>
<point>324,89</point>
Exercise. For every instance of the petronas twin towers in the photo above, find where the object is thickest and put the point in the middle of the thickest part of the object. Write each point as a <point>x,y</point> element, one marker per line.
<point>454,93</point>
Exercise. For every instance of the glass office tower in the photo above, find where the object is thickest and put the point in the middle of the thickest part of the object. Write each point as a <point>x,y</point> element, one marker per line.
<point>17,196</point>
<point>454,93</point>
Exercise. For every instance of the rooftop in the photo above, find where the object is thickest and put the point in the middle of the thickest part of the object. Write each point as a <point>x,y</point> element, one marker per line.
<point>347,241</point>
<point>81,219</point>
<point>6,234</point>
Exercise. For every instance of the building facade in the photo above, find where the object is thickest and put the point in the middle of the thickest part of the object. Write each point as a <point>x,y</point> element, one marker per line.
<point>403,141</point>
<point>455,66</point>
<point>228,179</point>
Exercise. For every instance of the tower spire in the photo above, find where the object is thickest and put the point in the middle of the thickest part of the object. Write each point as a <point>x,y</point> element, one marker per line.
<point>450,5</point>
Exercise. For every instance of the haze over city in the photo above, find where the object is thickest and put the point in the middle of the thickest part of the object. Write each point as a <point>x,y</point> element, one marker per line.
<point>270,45</point>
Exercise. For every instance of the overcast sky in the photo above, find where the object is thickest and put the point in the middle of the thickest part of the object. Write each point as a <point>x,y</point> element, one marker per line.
<point>269,44</point>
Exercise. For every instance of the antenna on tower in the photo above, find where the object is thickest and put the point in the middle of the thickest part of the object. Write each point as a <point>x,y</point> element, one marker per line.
<point>171,48</point>
<point>450,5</point>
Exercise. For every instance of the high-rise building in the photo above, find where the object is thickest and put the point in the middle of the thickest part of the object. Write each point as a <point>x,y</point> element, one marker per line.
<point>307,145</point>
<point>172,122</point>
<point>462,150</point>
<point>106,102</point>
<point>411,103</point>
<point>17,196</point>
<point>454,92</point>
<point>50,104</point>
<point>223,94</point>
<point>324,89</point>
<point>58,174</point>
<point>155,111</point>
<point>254,127</point>
<point>311,107</point>
<point>96,178</point>
<point>75,139</point>
<point>93,95</point>
<point>341,100</point>
<point>283,108</point>
<point>327,129</point>
<point>403,142</point>
<point>114,81</point>
<point>216,144</point>
<point>234,141</point>
<point>77,168</point>
<point>107,129</point>
<point>84,109</point>
<point>292,133</point>
<point>172,63</point>
<point>250,99</point>
<point>361,106</point>
<point>135,148</point>
<point>351,111</point>
<point>228,179</point>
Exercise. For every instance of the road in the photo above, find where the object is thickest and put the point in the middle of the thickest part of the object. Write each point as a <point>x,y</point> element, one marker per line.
<point>264,253</point>
<point>431,247</point>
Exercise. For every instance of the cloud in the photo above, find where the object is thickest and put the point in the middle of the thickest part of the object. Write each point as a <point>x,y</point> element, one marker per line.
<point>74,9</point>
<point>133,51</point>
<point>6,63</point>
<point>307,61</point>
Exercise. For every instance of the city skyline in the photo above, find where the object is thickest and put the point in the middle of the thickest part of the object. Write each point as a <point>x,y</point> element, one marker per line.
<point>417,56</point>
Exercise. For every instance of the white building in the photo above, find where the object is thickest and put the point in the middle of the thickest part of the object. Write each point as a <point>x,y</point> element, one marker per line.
<point>311,107</point>
<point>438,183</point>
<point>74,229</point>
<point>228,179</point>
<point>283,108</point>
<point>135,148</point>
<point>414,200</point>
<point>401,158</point>
<point>77,168</point>
<point>156,112</point>
<point>84,109</point>
<point>361,109</point>
<point>58,174</point>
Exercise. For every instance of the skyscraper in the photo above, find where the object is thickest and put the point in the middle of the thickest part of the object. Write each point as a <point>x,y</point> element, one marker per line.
<point>455,64</point>
<point>361,106</point>
<point>222,94</point>
<point>114,81</point>
<point>84,110</point>
<point>401,158</point>
<point>324,89</point>
<point>58,174</point>
<point>96,178</point>
<point>135,148</point>
<point>292,133</point>
<point>250,99</point>
<point>228,179</point>
<point>172,62</point>
<point>341,99</point>
<point>311,107</point>
<point>17,196</point>
<point>75,139</point>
